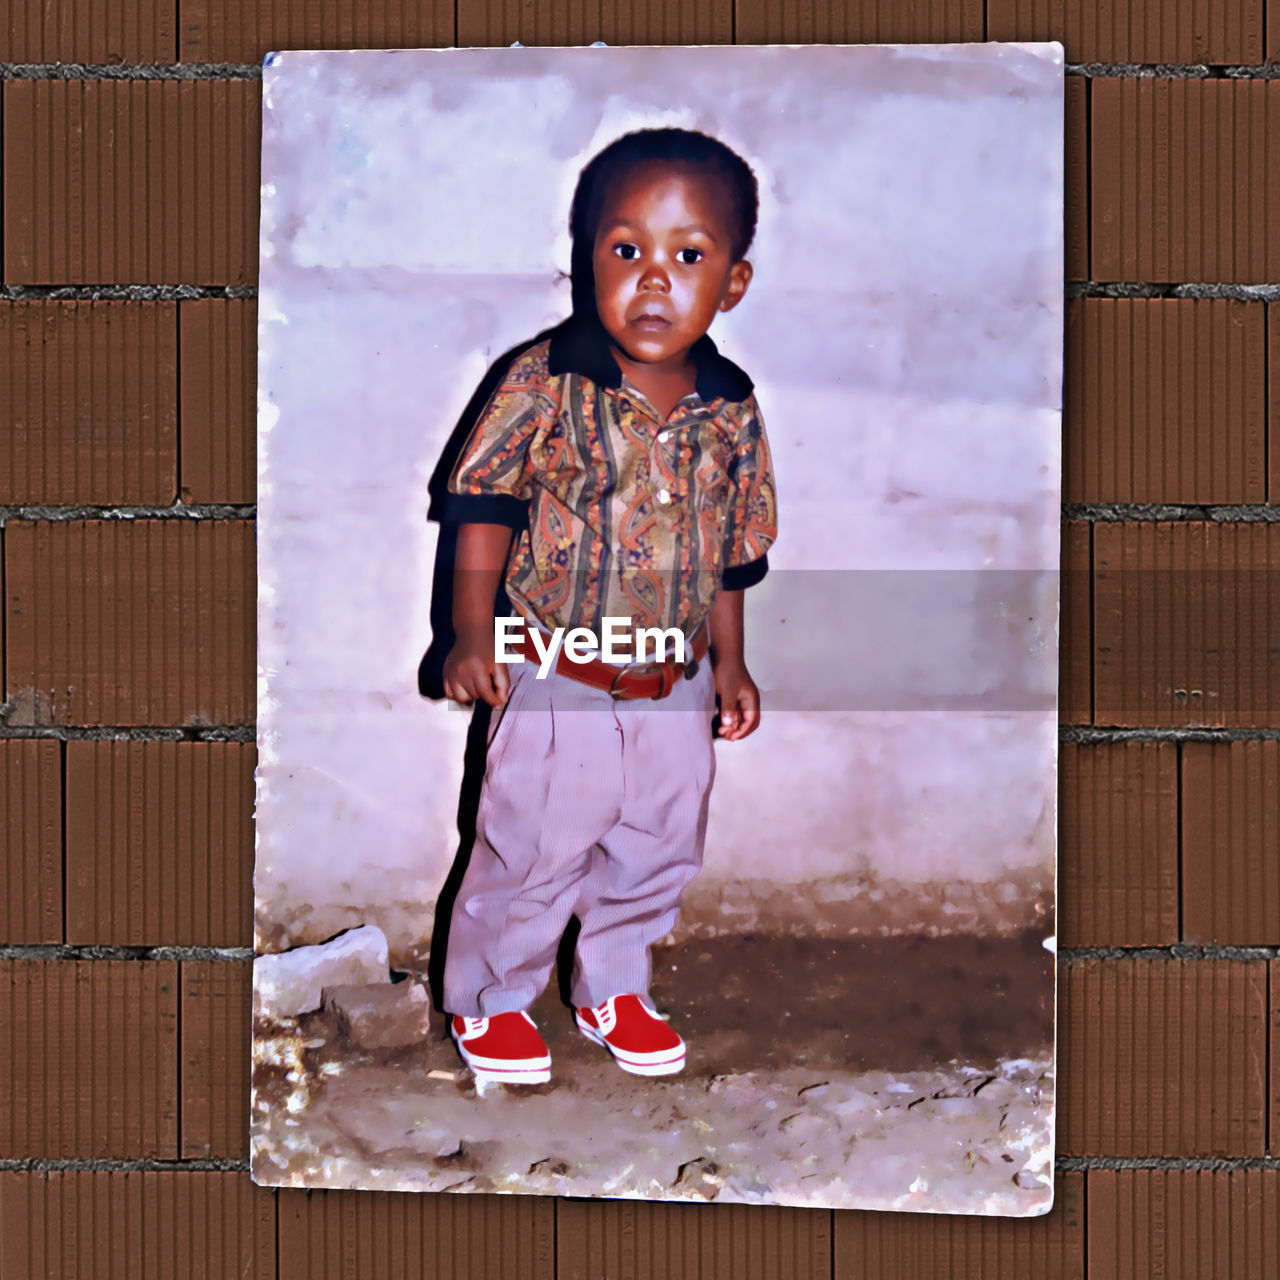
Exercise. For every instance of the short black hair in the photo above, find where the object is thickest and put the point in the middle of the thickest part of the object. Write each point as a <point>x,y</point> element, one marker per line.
<point>680,148</point>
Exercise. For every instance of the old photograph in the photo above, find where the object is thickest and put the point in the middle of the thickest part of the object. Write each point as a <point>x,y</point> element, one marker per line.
<point>658,541</point>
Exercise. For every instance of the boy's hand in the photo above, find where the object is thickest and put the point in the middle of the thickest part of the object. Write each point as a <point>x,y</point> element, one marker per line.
<point>739,700</point>
<point>471,672</point>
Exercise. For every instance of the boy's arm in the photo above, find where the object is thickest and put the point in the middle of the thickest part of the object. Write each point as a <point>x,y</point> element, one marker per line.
<point>470,670</point>
<point>751,527</point>
<point>739,697</point>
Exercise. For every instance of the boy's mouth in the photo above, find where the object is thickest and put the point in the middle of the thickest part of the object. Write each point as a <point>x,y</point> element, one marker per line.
<point>651,320</point>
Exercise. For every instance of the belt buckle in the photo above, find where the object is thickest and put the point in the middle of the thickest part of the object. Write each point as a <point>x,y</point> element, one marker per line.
<point>614,692</point>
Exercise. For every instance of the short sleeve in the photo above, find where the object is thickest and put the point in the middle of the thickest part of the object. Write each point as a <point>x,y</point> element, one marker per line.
<point>492,481</point>
<point>752,523</point>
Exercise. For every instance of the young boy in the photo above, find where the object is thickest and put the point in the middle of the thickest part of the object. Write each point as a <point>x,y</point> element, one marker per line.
<point>638,454</point>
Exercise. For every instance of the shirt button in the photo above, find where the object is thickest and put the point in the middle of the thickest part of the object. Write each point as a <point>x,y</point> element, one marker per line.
<point>664,436</point>
<point>663,497</point>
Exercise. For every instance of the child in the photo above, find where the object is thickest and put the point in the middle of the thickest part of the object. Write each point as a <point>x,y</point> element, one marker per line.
<point>639,455</point>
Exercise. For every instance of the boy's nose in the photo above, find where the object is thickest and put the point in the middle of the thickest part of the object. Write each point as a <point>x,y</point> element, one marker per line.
<point>655,279</point>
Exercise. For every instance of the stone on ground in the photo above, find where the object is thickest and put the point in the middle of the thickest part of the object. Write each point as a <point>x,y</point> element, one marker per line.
<point>388,1016</point>
<point>293,982</point>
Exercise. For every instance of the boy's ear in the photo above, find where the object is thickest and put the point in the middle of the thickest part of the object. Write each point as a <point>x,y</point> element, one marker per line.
<point>739,278</point>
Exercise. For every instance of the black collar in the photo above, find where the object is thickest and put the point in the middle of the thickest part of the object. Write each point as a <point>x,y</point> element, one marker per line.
<point>580,345</point>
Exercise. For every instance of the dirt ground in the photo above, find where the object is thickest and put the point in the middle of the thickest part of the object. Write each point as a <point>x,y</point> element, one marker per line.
<point>877,1073</point>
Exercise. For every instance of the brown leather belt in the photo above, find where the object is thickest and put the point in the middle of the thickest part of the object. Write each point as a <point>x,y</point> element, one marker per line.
<point>650,680</point>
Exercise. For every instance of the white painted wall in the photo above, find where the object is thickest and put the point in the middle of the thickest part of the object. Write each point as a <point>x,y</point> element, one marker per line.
<point>904,332</point>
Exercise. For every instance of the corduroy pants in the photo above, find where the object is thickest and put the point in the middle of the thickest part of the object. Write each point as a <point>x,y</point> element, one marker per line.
<point>589,806</point>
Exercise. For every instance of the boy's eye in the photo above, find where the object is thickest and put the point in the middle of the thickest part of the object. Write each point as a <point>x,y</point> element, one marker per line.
<point>627,251</point>
<point>689,256</point>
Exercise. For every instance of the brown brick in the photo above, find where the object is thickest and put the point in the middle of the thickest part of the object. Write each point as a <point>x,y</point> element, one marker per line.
<point>187,1225</point>
<point>1076,194</point>
<point>1231,842</point>
<point>635,1241</point>
<point>31,834</point>
<point>1075,626</point>
<point>219,358</point>
<point>1273,385</point>
<point>1118,844</point>
<point>240,31</point>
<point>1184,1224</point>
<point>1184,624</point>
<point>1273,1084</point>
<point>1178,31</point>
<point>484,23</point>
<point>859,22</point>
<point>385,1236</point>
<point>1162,1057</point>
<point>87,31</point>
<point>149,622</point>
<point>160,843</point>
<point>88,1059</point>
<point>1180,184</point>
<point>1166,401</point>
<point>90,402</point>
<point>216,1000</point>
<point>131,182</point>
<point>927,1246</point>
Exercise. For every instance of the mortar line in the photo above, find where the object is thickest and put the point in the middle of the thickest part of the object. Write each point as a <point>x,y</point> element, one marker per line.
<point>1089,512</point>
<point>101,951</point>
<point>221,71</point>
<point>1171,951</point>
<point>214,1164</point>
<point>1217,513</point>
<point>1083,734</point>
<point>1225,1164</point>
<point>1089,735</point>
<point>178,511</point>
<point>1174,70</point>
<point>250,71</point>
<point>206,1164</point>
<point>1256,291</point>
<point>128,733</point>
<point>117,292</point>
<point>59,952</point>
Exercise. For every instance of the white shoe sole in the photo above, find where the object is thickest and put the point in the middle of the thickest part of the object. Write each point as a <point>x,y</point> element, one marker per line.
<point>663,1063</point>
<point>531,1071</point>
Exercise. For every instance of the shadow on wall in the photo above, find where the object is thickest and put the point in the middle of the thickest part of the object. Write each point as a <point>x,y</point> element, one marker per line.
<point>431,668</point>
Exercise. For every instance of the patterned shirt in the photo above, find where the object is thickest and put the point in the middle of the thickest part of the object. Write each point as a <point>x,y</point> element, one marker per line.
<point>619,513</point>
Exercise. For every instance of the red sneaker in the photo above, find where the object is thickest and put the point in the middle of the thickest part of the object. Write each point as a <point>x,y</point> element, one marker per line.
<point>505,1048</point>
<point>637,1036</point>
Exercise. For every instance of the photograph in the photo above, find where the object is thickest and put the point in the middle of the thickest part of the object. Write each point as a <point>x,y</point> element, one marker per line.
<point>659,483</point>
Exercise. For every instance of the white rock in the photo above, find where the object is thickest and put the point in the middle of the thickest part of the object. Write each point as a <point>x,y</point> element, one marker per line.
<point>291,983</point>
<point>804,1127</point>
<point>954,1108</point>
<point>855,1105</point>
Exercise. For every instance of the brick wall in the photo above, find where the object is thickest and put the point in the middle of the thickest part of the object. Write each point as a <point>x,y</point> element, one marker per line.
<point>130,173</point>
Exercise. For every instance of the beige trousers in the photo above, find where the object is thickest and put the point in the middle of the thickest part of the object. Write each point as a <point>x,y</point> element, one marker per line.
<point>589,806</point>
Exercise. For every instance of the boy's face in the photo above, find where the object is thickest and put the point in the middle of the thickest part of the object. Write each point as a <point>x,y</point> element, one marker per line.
<point>663,262</point>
